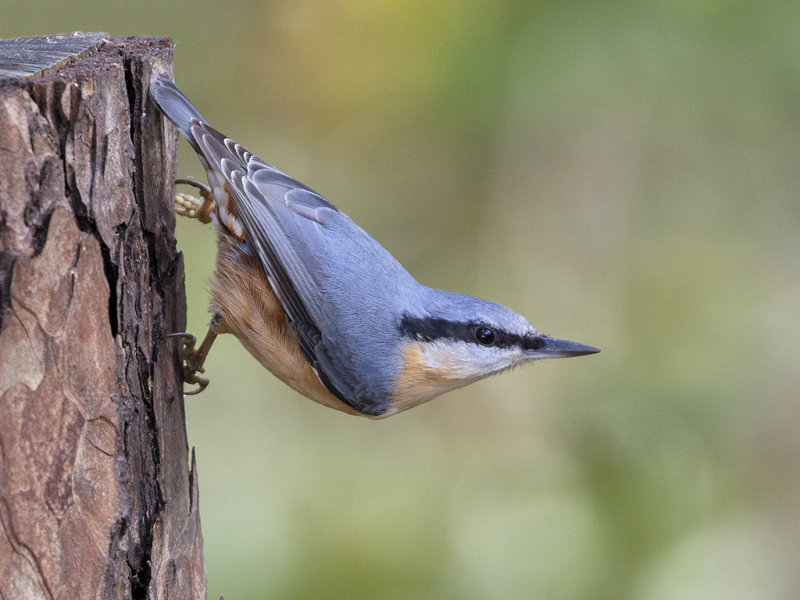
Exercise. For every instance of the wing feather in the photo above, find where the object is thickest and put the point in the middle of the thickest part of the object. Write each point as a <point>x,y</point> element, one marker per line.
<point>277,211</point>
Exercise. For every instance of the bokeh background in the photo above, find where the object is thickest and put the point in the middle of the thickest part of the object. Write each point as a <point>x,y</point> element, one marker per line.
<point>624,173</point>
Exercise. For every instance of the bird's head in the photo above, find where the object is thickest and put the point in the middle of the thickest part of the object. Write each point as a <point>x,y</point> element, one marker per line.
<point>460,339</point>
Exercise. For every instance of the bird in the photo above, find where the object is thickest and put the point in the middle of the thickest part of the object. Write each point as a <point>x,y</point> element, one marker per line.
<point>319,302</point>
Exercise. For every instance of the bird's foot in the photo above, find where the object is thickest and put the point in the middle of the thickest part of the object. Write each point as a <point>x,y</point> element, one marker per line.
<point>190,206</point>
<point>193,359</point>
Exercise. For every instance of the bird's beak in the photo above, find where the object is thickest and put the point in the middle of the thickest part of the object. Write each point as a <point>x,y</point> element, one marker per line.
<point>552,348</point>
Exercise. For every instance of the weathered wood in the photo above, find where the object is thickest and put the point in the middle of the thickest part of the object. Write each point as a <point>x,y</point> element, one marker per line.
<point>97,497</point>
<point>29,57</point>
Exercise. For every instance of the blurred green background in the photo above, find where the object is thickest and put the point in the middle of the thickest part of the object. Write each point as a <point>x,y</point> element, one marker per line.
<point>625,174</point>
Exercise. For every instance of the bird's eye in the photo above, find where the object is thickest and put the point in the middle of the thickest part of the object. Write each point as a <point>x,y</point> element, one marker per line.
<point>484,335</point>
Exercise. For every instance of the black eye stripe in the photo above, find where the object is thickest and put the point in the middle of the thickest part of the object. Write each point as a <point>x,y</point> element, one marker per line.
<point>430,329</point>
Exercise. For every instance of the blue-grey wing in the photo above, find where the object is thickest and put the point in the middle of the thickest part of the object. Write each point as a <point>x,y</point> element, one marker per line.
<point>290,227</point>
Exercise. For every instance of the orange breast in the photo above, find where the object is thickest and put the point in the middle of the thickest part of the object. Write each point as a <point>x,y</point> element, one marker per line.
<point>419,381</point>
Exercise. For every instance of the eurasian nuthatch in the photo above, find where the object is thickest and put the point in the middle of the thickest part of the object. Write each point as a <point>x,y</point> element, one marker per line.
<point>323,305</point>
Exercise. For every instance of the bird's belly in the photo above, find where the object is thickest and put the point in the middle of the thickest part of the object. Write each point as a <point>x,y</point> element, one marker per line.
<point>250,310</point>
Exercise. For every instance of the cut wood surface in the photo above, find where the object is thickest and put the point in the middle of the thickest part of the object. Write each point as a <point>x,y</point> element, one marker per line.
<point>98,498</point>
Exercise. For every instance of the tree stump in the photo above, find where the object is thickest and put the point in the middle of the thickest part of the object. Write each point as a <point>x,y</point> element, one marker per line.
<point>97,495</point>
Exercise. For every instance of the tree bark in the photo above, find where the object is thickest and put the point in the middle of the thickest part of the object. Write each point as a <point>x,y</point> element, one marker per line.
<point>97,495</point>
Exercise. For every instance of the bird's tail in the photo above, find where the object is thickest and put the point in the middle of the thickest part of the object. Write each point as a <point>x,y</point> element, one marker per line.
<point>175,106</point>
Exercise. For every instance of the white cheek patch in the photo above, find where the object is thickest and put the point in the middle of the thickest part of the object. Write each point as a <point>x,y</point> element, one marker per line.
<point>465,361</point>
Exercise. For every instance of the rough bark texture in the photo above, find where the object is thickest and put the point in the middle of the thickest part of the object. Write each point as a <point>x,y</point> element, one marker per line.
<point>97,497</point>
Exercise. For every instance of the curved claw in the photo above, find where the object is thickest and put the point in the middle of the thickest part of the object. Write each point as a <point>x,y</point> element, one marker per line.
<point>191,377</point>
<point>204,189</point>
<point>190,339</point>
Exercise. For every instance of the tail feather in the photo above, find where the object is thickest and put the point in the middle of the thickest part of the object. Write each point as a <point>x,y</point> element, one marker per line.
<point>175,106</point>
